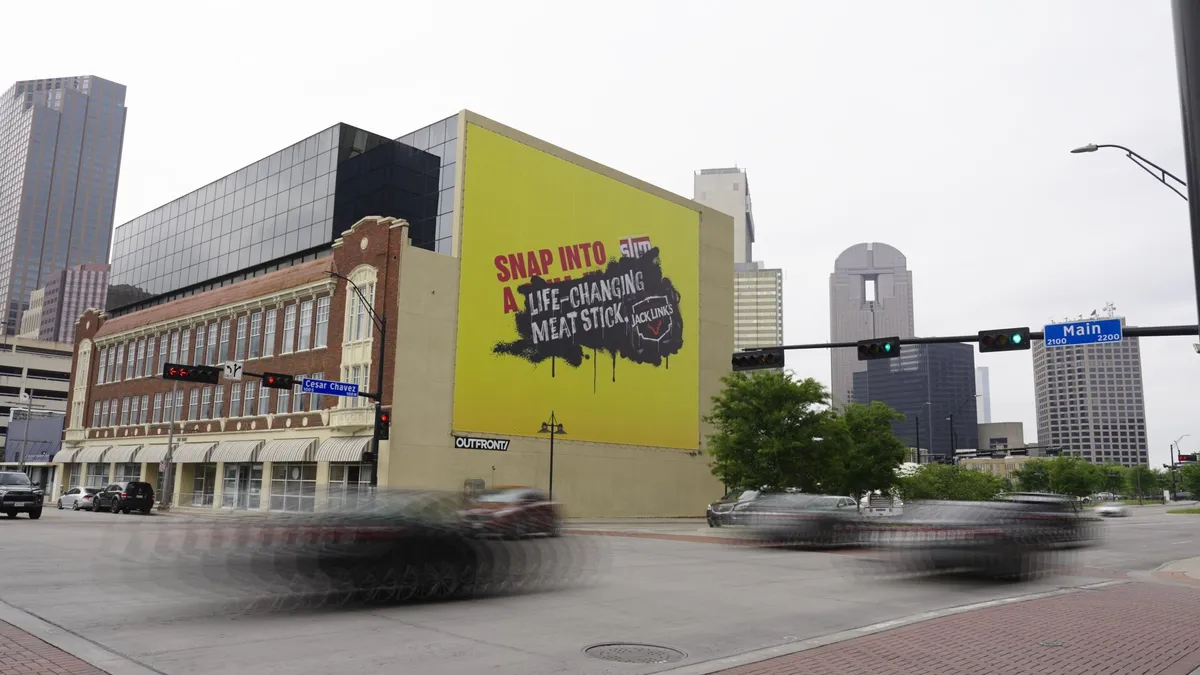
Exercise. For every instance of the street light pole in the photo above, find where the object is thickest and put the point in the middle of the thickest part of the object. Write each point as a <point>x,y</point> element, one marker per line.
<point>953,435</point>
<point>554,428</point>
<point>164,501</point>
<point>1149,167</point>
<point>25,429</point>
<point>1175,458</point>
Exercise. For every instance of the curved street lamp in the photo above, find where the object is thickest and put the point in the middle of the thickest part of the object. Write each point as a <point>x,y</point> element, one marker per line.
<point>1149,167</point>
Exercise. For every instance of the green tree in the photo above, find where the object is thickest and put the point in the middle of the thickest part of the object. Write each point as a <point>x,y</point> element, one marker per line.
<point>950,481</point>
<point>1189,479</point>
<point>1143,481</point>
<point>873,453</point>
<point>769,430</point>
<point>1072,476</point>
<point>1033,476</point>
<point>1111,478</point>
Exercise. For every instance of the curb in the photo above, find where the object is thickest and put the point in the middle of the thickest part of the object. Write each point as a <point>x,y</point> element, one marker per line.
<point>74,644</point>
<point>768,653</point>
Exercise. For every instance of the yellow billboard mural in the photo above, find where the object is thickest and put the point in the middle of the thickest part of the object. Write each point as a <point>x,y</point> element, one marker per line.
<point>579,294</point>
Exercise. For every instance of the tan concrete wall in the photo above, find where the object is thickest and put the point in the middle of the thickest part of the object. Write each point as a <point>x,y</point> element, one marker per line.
<point>592,479</point>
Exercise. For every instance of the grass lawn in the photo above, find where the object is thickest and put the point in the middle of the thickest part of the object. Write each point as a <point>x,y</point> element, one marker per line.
<point>1188,511</point>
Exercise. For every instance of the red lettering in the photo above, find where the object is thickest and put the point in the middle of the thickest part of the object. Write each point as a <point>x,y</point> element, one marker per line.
<point>571,259</point>
<point>534,268</point>
<point>504,274</point>
<point>587,254</point>
<point>546,258</point>
<point>510,303</point>
<point>598,252</point>
<point>516,263</point>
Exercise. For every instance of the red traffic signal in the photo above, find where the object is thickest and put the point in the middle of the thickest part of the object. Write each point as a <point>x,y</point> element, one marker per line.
<point>278,381</point>
<point>183,373</point>
<point>383,423</point>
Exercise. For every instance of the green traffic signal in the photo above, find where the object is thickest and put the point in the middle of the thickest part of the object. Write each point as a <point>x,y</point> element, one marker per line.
<point>1016,338</point>
<point>1004,340</point>
<point>887,346</point>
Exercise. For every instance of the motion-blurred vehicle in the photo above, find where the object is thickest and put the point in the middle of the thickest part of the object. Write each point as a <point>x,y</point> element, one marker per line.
<point>19,495</point>
<point>125,497</point>
<point>78,498</point>
<point>805,519</point>
<point>1063,521</point>
<point>729,509</point>
<point>512,512</point>
<point>1113,510</point>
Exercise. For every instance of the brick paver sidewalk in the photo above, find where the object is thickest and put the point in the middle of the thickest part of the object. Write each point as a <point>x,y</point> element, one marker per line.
<point>1142,628</point>
<point>23,654</point>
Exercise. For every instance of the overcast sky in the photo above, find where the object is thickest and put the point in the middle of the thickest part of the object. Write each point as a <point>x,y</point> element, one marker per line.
<point>941,128</point>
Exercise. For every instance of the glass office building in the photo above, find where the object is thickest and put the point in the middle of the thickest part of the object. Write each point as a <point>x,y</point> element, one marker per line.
<point>60,155</point>
<point>284,209</point>
<point>927,384</point>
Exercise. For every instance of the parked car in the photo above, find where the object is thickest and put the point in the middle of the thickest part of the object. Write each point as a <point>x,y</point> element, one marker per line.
<point>512,512</point>
<point>804,519</point>
<point>1112,510</point>
<point>19,495</point>
<point>728,510</point>
<point>125,497</point>
<point>79,498</point>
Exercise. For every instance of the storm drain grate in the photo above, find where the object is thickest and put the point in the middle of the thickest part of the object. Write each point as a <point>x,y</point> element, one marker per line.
<point>625,652</point>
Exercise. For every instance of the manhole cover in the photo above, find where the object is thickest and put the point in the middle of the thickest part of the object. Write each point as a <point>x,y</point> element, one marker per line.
<point>624,652</point>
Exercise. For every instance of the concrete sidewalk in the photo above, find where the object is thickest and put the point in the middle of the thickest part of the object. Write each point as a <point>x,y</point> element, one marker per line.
<point>1123,628</point>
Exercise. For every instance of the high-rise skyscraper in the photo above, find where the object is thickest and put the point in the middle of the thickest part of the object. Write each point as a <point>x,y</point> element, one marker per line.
<point>983,387</point>
<point>757,289</point>
<point>1089,400</point>
<point>55,307</point>
<point>60,155</point>
<point>870,295</point>
<point>930,385</point>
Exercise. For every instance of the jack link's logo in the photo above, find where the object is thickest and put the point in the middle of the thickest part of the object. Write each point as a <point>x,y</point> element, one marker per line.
<point>635,246</point>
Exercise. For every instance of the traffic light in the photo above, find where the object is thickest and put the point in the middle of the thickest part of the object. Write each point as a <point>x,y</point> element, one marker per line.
<point>1003,340</point>
<point>1187,459</point>
<point>383,422</point>
<point>879,348</point>
<point>760,359</point>
<point>204,374</point>
<point>278,381</point>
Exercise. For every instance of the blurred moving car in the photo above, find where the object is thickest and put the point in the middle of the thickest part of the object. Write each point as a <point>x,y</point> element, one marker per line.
<point>806,519</point>
<point>1066,522</point>
<point>1113,510</point>
<point>78,498</point>
<point>125,497</point>
<point>729,509</point>
<point>19,495</point>
<point>512,512</point>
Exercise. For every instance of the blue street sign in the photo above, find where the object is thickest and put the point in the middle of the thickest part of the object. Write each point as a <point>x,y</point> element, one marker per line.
<point>329,387</point>
<point>1082,333</point>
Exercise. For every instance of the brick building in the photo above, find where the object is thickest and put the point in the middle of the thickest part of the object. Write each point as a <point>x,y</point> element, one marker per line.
<point>238,444</point>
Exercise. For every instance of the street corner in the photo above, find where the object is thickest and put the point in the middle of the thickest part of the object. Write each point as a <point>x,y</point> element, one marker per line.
<point>1183,572</point>
<point>24,654</point>
<point>1070,633</point>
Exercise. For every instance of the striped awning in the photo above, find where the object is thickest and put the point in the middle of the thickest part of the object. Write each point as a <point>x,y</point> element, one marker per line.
<point>92,455</point>
<point>343,449</point>
<point>192,453</point>
<point>122,454</point>
<point>236,451</point>
<point>64,456</point>
<point>289,450</point>
<point>152,453</point>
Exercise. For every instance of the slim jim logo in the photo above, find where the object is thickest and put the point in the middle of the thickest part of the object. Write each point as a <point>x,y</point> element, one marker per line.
<point>634,247</point>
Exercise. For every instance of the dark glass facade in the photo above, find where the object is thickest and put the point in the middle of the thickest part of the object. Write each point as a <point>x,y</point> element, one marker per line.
<point>439,139</point>
<point>60,155</point>
<point>283,209</point>
<point>927,384</point>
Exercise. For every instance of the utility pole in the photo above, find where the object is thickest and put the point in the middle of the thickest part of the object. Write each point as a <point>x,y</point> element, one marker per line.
<point>25,429</point>
<point>164,501</point>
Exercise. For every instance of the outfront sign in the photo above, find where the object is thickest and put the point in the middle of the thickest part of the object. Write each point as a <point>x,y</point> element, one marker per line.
<point>329,387</point>
<point>1082,333</point>
<point>476,443</point>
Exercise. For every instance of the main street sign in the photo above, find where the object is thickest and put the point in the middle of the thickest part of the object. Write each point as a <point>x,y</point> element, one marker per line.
<point>1082,333</point>
<point>329,388</point>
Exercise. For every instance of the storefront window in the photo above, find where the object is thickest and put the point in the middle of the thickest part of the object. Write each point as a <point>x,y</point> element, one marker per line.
<point>97,475</point>
<point>347,482</point>
<point>242,487</point>
<point>128,472</point>
<point>73,477</point>
<point>293,487</point>
<point>204,484</point>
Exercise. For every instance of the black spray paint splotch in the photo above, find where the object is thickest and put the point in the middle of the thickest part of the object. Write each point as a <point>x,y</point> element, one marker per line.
<point>649,337</point>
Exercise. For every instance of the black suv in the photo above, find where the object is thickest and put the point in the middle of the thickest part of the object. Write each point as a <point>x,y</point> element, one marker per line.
<point>125,497</point>
<point>18,495</point>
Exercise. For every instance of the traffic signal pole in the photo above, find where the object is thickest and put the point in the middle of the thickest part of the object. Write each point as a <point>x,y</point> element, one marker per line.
<point>169,482</point>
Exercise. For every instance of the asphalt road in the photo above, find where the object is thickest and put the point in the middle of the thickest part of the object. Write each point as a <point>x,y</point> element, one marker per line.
<point>707,600</point>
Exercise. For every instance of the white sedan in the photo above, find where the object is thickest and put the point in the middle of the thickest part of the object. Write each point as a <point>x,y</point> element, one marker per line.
<point>1112,510</point>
